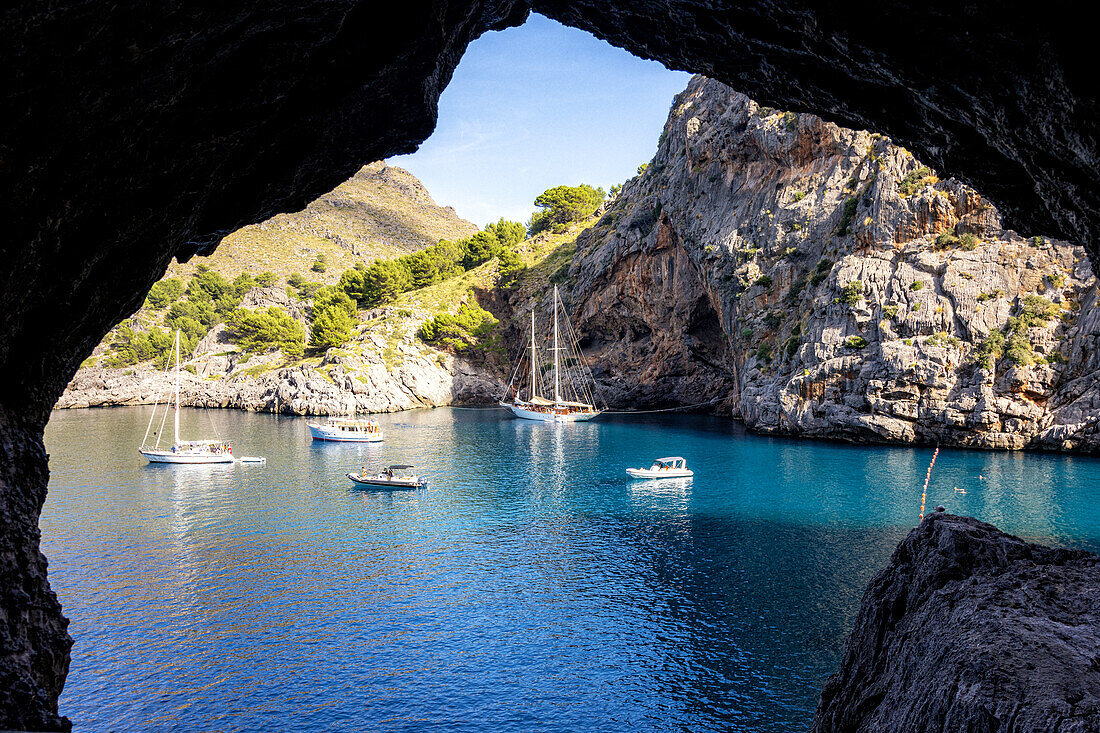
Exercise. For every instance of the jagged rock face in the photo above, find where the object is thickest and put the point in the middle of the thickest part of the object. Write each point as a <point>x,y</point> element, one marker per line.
<point>970,629</point>
<point>793,266</point>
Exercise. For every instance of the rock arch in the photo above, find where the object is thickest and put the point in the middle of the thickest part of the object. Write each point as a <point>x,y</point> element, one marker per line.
<point>132,133</point>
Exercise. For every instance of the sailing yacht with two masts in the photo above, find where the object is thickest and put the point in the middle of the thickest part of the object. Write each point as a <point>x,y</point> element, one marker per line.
<point>183,451</point>
<point>573,396</point>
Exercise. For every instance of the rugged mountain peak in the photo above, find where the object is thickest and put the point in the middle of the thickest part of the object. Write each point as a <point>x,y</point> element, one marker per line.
<point>823,281</point>
<point>968,628</point>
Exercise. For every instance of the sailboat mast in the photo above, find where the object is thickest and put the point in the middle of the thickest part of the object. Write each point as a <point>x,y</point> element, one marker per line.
<point>534,387</point>
<point>177,386</point>
<point>557,389</point>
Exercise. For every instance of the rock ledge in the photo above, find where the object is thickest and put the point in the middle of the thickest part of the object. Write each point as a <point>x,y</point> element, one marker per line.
<point>971,629</point>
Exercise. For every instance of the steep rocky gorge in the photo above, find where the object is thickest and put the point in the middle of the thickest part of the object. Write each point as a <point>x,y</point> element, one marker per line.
<point>825,283</point>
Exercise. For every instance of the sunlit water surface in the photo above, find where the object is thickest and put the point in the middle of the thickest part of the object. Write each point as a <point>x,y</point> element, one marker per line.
<point>533,586</point>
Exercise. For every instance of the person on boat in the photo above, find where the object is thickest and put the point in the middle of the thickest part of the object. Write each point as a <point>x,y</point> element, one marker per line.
<point>389,472</point>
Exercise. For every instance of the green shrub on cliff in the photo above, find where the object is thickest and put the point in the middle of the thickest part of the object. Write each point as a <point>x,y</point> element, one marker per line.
<point>563,205</point>
<point>133,347</point>
<point>164,293</point>
<point>851,294</point>
<point>968,242</point>
<point>471,327</point>
<point>946,240</point>
<point>334,318</point>
<point>992,349</point>
<point>856,342</point>
<point>847,216</point>
<point>916,180</point>
<point>266,330</point>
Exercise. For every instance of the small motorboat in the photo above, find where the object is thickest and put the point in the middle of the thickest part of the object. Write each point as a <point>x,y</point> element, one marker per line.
<point>672,467</point>
<point>385,479</point>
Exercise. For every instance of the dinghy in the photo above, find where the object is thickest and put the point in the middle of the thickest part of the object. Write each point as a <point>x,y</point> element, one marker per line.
<point>385,479</point>
<point>671,467</point>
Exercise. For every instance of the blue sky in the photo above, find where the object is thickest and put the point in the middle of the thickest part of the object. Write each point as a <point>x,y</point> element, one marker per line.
<point>538,106</point>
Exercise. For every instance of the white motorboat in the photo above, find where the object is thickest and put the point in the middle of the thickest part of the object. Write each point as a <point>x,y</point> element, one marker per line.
<point>671,467</point>
<point>183,451</point>
<point>347,430</point>
<point>385,479</point>
<point>573,399</point>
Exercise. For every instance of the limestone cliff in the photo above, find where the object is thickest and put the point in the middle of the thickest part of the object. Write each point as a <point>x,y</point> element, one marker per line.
<point>825,283</point>
<point>970,629</point>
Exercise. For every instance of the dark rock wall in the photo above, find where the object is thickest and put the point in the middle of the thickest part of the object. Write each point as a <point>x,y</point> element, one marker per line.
<point>970,629</point>
<point>134,132</point>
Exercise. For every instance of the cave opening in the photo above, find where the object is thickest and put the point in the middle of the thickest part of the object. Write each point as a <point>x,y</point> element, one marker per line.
<point>142,134</point>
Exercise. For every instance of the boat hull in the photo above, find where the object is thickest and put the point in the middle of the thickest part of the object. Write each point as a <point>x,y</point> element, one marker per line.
<point>382,484</point>
<point>335,435</point>
<point>650,474</point>
<point>525,414</point>
<point>164,456</point>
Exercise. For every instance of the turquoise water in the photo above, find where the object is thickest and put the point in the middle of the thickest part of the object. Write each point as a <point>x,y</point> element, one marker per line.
<point>533,586</point>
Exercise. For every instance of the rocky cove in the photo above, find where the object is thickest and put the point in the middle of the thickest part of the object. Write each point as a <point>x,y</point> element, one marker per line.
<point>809,279</point>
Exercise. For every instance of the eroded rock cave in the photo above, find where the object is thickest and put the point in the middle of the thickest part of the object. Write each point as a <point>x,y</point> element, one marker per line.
<point>133,133</point>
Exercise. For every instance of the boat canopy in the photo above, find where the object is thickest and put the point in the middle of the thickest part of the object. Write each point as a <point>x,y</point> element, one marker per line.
<point>671,462</point>
<point>398,467</point>
<point>669,459</point>
<point>541,401</point>
<point>203,442</point>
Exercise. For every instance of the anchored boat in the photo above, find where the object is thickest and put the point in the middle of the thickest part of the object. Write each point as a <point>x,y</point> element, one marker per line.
<point>671,467</point>
<point>347,430</point>
<point>183,451</point>
<point>385,479</point>
<point>571,387</point>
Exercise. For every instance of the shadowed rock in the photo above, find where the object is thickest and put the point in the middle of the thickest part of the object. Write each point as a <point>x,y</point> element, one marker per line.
<point>971,629</point>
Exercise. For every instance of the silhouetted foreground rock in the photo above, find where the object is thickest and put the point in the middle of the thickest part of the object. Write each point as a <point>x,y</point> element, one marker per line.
<point>971,629</point>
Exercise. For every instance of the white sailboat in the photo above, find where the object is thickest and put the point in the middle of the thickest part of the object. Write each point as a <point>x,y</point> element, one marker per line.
<point>183,451</point>
<point>572,397</point>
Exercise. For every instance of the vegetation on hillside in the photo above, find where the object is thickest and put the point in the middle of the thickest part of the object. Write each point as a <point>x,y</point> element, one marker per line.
<point>563,205</point>
<point>471,326</point>
<point>384,280</point>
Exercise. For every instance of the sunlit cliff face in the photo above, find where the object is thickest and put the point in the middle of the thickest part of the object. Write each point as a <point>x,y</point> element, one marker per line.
<point>133,133</point>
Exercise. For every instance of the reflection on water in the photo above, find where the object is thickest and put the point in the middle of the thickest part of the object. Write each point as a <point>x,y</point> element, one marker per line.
<point>533,586</point>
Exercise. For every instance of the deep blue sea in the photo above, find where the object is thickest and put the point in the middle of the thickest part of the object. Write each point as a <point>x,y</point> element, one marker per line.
<point>532,587</point>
